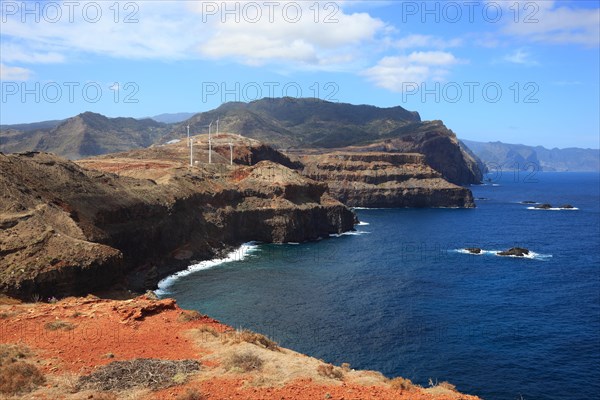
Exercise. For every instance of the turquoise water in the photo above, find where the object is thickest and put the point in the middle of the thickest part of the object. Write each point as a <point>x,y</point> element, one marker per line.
<point>399,296</point>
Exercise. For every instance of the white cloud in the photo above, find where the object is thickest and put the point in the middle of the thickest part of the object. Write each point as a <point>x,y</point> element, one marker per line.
<point>167,30</point>
<point>429,41</point>
<point>546,22</point>
<point>393,73</point>
<point>521,57</point>
<point>11,52</point>
<point>284,35</point>
<point>8,73</point>
<point>164,30</point>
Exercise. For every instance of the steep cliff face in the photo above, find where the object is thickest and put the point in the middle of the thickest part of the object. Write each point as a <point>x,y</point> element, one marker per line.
<point>436,142</point>
<point>69,230</point>
<point>376,179</point>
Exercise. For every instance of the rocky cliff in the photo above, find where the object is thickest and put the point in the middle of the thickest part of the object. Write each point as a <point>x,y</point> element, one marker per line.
<point>379,179</point>
<point>68,229</point>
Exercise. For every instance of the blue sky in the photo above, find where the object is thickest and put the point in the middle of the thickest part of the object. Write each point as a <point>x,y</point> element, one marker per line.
<point>517,71</point>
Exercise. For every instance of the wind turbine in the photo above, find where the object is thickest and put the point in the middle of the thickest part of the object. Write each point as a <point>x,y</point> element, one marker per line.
<point>230,153</point>
<point>217,126</point>
<point>188,131</point>
<point>191,146</point>
<point>209,144</point>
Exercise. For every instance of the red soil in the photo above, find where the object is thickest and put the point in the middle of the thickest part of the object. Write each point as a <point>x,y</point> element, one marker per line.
<point>108,330</point>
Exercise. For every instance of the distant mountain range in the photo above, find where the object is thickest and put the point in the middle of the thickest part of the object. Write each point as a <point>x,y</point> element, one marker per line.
<point>172,118</point>
<point>86,134</point>
<point>301,125</point>
<point>512,156</point>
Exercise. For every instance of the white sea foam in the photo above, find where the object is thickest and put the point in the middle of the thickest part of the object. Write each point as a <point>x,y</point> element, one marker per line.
<point>362,223</point>
<point>532,254</point>
<point>349,233</point>
<point>236,255</point>
<point>553,209</point>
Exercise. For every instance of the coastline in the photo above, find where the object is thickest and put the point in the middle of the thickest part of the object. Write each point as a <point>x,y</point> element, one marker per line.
<point>69,343</point>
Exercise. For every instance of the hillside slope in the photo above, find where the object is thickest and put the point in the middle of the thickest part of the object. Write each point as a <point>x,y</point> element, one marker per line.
<point>84,135</point>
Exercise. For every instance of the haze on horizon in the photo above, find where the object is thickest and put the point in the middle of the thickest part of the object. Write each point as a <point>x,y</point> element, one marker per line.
<point>521,72</point>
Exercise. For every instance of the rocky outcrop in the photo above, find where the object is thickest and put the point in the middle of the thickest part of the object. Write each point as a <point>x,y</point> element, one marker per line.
<point>378,179</point>
<point>70,230</point>
<point>515,252</point>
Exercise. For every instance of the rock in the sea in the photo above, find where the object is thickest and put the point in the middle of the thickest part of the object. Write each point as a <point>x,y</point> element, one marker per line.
<point>528,202</point>
<point>474,250</point>
<point>544,206</point>
<point>567,206</point>
<point>515,251</point>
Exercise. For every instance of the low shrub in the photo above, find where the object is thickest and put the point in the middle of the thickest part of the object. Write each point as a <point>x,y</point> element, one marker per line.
<point>19,377</point>
<point>244,362</point>
<point>208,330</point>
<point>191,394</point>
<point>253,338</point>
<point>10,353</point>
<point>59,325</point>
<point>447,385</point>
<point>401,383</point>
<point>189,315</point>
<point>142,372</point>
<point>329,371</point>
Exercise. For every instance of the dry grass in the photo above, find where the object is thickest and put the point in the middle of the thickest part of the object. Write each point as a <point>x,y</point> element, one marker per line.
<point>252,338</point>
<point>59,325</point>
<point>329,371</point>
<point>191,394</point>
<point>401,383</point>
<point>244,362</point>
<point>16,375</point>
<point>139,373</point>
<point>205,330</point>
<point>189,315</point>
<point>447,385</point>
<point>103,396</point>
<point>10,353</point>
<point>19,377</point>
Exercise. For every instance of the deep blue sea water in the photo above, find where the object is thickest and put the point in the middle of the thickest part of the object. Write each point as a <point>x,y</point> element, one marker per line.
<point>398,297</point>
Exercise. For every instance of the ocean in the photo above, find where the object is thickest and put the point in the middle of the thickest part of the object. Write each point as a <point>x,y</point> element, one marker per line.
<point>400,295</point>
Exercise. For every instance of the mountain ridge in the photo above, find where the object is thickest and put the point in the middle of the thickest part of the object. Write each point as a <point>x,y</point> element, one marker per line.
<point>288,124</point>
<point>507,155</point>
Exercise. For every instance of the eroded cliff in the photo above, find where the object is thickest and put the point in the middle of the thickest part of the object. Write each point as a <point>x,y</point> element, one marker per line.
<point>379,179</point>
<point>67,229</point>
